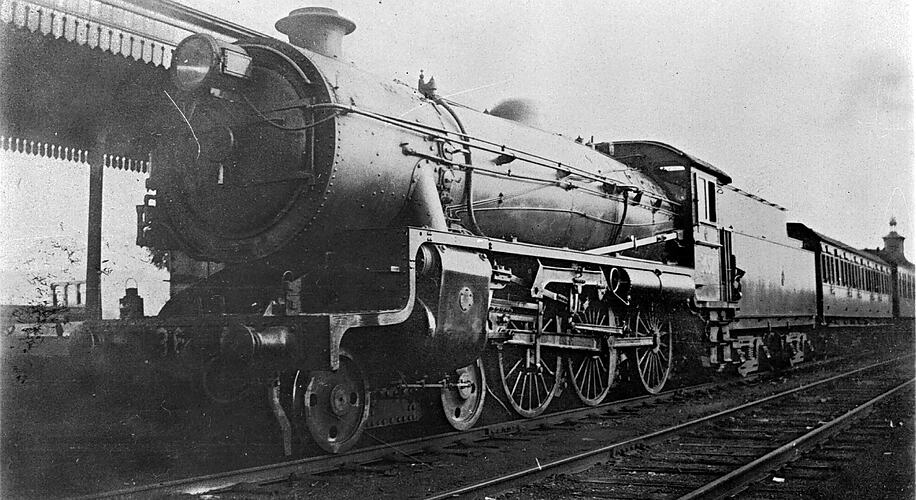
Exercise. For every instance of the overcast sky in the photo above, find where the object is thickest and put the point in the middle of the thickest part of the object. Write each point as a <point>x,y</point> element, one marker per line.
<point>807,104</point>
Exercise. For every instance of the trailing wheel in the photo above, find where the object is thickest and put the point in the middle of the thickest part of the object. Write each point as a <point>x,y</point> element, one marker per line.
<point>529,385</point>
<point>651,365</point>
<point>334,405</point>
<point>462,402</point>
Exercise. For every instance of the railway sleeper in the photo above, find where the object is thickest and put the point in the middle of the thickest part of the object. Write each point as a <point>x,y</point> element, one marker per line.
<point>633,481</point>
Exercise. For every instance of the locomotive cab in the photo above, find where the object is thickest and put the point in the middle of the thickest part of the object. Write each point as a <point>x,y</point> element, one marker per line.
<point>696,185</point>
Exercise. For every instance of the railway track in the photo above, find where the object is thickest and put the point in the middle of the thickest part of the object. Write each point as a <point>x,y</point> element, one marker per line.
<point>715,456</point>
<point>484,437</point>
<point>814,474</point>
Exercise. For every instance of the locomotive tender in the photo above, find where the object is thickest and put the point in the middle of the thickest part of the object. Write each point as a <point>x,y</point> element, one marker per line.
<point>373,239</point>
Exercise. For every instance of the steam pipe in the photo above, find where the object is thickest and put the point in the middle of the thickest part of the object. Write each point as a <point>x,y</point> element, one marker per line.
<point>528,157</point>
<point>468,172</point>
<point>623,217</point>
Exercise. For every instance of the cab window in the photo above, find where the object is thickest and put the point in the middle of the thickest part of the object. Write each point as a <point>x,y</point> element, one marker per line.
<point>705,194</point>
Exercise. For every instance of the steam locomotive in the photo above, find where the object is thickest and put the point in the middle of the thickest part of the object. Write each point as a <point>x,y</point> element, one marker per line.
<point>368,239</point>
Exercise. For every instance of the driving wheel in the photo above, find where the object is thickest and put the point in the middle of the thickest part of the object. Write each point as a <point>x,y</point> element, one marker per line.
<point>591,373</point>
<point>652,364</point>
<point>530,385</point>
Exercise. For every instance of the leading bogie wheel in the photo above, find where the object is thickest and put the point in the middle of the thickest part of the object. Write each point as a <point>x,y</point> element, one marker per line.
<point>335,405</point>
<point>462,403</point>
<point>530,385</point>
<point>651,365</point>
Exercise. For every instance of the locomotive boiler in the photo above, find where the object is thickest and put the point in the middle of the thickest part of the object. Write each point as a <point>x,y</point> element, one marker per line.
<point>303,145</point>
<point>376,236</point>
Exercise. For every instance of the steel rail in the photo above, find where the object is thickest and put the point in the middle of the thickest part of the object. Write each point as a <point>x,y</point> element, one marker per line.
<point>272,473</point>
<point>740,478</point>
<point>589,458</point>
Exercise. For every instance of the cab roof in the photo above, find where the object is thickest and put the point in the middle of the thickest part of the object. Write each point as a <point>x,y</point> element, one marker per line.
<point>652,154</point>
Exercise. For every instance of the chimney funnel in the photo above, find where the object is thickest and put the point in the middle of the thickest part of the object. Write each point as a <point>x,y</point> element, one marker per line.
<point>318,29</point>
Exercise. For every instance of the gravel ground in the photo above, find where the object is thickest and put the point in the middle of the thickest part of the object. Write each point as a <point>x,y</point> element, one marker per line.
<point>881,469</point>
<point>71,436</point>
<point>431,473</point>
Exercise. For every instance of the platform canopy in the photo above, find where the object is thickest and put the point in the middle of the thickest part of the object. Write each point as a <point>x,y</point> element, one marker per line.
<point>74,69</point>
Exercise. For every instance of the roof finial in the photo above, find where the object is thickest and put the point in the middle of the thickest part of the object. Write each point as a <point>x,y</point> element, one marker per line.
<point>893,223</point>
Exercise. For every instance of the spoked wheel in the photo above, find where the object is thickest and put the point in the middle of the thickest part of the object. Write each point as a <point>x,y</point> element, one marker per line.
<point>463,404</point>
<point>592,373</point>
<point>335,405</point>
<point>652,364</point>
<point>530,387</point>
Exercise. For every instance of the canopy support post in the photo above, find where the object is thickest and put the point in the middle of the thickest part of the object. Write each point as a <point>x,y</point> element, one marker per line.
<point>96,159</point>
